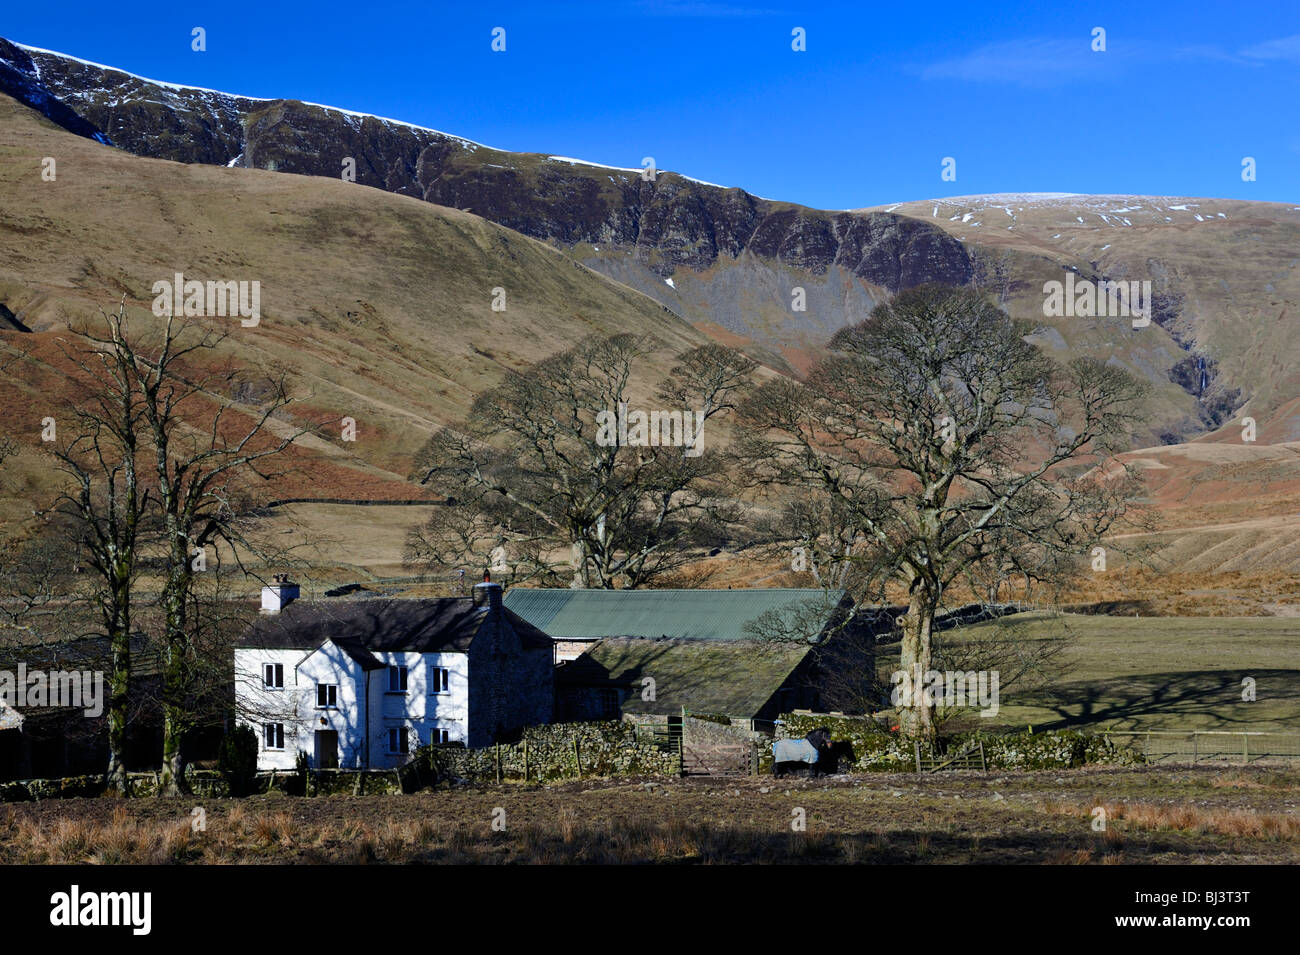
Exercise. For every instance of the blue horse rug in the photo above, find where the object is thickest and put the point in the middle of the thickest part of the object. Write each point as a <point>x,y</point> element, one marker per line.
<point>794,751</point>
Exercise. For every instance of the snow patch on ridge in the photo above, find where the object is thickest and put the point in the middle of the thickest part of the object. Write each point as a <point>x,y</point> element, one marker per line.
<point>177,87</point>
<point>582,162</point>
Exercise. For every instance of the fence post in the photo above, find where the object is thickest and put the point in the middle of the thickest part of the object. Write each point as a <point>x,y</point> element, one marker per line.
<point>1196,740</point>
<point>577,757</point>
<point>498,760</point>
<point>1245,748</point>
<point>525,759</point>
<point>916,748</point>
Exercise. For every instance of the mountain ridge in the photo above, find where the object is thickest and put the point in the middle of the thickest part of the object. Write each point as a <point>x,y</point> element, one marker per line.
<point>775,277</point>
<point>671,222</point>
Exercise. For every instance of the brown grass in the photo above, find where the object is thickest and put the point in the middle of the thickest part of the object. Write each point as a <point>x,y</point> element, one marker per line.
<point>1188,818</point>
<point>1042,818</point>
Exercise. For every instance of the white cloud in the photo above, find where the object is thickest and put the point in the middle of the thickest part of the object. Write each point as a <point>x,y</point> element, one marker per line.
<point>1285,48</point>
<point>1033,61</point>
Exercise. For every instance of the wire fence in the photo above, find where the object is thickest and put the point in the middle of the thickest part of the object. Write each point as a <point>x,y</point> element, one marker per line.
<point>1204,746</point>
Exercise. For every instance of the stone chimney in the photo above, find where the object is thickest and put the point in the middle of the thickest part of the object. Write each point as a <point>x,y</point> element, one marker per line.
<point>487,595</point>
<point>278,594</point>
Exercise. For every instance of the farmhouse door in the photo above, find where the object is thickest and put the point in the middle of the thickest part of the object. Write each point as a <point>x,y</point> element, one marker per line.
<point>327,749</point>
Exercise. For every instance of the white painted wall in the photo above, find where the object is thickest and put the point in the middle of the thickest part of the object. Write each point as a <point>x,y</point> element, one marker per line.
<point>329,664</point>
<point>418,710</point>
<point>256,705</point>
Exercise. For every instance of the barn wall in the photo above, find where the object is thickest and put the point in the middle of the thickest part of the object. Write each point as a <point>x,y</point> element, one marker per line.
<point>571,649</point>
<point>510,687</point>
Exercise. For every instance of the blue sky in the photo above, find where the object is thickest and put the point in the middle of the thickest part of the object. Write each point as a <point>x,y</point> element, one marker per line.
<point>864,116</point>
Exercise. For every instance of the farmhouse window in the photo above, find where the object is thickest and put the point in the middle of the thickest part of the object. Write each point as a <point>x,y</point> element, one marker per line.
<point>273,676</point>
<point>397,679</point>
<point>273,734</point>
<point>438,679</point>
<point>438,735</point>
<point>327,695</point>
<point>398,742</point>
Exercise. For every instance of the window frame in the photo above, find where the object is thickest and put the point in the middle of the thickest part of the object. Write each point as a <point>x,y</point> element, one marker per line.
<point>275,731</point>
<point>332,693</point>
<point>403,737</point>
<point>611,703</point>
<point>276,671</point>
<point>402,673</point>
<point>439,685</point>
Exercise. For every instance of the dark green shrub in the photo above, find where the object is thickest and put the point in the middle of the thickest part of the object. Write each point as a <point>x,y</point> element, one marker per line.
<point>302,767</point>
<point>237,759</point>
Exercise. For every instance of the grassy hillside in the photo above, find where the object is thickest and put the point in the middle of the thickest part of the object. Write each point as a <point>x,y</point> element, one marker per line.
<point>1226,272</point>
<point>378,306</point>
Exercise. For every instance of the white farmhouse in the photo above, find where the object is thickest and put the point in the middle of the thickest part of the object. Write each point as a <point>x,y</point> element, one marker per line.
<point>359,684</point>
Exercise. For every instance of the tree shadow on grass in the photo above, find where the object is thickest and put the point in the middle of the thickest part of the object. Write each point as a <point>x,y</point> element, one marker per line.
<point>1172,697</point>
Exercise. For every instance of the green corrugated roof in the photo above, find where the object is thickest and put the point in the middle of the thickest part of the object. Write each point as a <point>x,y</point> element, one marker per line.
<point>678,614</point>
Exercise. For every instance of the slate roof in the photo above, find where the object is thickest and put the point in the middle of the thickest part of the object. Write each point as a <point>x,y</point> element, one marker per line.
<point>733,678</point>
<point>93,651</point>
<point>715,615</point>
<point>431,625</point>
<point>354,649</point>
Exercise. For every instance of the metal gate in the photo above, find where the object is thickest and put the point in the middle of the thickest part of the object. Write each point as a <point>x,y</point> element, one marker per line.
<point>666,737</point>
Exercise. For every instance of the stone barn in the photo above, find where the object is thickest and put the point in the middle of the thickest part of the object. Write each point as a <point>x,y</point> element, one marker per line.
<point>745,654</point>
<point>744,681</point>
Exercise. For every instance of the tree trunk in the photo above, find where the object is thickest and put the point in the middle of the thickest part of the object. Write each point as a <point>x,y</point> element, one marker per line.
<point>173,781</point>
<point>578,559</point>
<point>118,684</point>
<point>176,683</point>
<point>917,717</point>
<point>116,613</point>
<point>175,722</point>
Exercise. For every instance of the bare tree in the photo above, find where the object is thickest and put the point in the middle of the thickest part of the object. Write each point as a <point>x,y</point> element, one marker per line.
<point>947,441</point>
<point>205,486</point>
<point>205,456</point>
<point>529,477</point>
<point>107,501</point>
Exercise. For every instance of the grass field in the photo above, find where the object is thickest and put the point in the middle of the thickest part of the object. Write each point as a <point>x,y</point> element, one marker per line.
<point>1159,673</point>
<point>1153,816</point>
